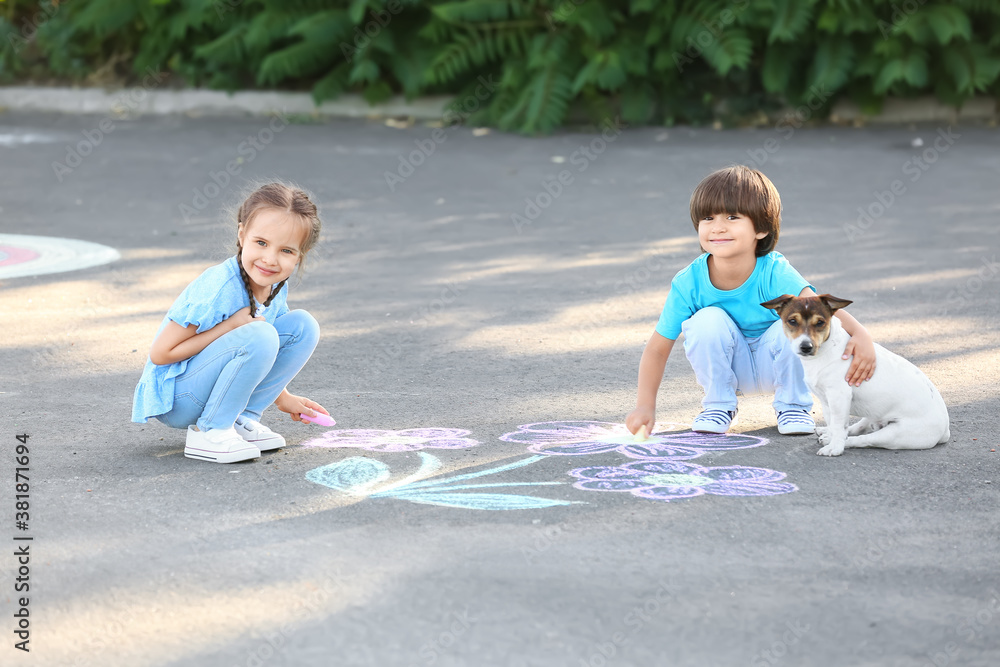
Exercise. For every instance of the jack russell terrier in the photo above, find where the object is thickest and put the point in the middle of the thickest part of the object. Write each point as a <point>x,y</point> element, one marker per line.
<point>899,406</point>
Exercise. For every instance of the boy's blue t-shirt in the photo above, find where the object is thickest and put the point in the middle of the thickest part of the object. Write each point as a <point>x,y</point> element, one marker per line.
<point>691,290</point>
<point>211,298</point>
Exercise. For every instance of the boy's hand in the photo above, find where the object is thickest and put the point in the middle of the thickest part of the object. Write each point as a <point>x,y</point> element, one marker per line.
<point>862,347</point>
<point>295,406</point>
<point>640,417</point>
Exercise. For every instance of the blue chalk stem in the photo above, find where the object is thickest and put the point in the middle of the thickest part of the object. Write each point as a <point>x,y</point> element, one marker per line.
<point>356,475</point>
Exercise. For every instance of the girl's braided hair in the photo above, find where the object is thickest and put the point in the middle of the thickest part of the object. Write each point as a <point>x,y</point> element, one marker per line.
<point>280,197</point>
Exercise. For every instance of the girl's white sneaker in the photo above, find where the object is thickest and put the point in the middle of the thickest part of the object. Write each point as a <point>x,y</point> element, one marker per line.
<point>258,435</point>
<point>221,445</point>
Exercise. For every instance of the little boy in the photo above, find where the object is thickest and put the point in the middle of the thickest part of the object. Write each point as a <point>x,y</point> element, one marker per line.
<point>734,344</point>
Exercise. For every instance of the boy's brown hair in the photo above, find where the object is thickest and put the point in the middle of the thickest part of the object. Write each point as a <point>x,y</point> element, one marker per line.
<point>740,189</point>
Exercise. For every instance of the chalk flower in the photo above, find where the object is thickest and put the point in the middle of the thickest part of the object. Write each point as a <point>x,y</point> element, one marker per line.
<point>406,440</point>
<point>672,480</point>
<point>669,441</point>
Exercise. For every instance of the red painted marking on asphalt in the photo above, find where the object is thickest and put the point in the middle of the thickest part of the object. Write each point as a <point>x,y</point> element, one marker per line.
<point>11,255</point>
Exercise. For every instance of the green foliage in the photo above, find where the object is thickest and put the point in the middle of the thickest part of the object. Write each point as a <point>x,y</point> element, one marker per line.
<point>649,61</point>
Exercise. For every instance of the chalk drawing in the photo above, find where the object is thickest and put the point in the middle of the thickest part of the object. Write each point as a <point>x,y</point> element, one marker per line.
<point>406,440</point>
<point>22,138</point>
<point>668,441</point>
<point>672,480</point>
<point>22,255</point>
<point>660,472</point>
<point>357,476</point>
<point>11,255</point>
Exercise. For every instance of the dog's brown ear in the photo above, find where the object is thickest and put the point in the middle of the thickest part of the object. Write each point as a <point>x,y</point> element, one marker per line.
<point>779,303</point>
<point>834,303</point>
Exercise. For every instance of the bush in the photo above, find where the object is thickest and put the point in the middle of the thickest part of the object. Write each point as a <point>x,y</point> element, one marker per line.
<point>651,61</point>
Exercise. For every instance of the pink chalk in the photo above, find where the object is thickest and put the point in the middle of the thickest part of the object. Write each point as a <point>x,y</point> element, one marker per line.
<point>320,418</point>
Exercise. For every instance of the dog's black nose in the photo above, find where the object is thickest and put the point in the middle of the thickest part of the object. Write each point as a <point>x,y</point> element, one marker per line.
<point>806,347</point>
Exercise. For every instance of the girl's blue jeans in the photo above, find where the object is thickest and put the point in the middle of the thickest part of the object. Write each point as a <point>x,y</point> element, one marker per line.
<point>242,372</point>
<point>726,362</point>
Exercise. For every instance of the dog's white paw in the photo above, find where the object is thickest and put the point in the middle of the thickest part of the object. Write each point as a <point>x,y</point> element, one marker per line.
<point>822,430</point>
<point>831,450</point>
<point>824,437</point>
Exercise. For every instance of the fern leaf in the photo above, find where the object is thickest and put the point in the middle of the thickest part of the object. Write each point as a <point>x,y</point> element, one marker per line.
<point>831,67</point>
<point>227,47</point>
<point>638,103</point>
<point>357,11</point>
<point>594,19</point>
<point>732,48</point>
<point>586,76</point>
<point>364,71</point>
<point>642,6</point>
<point>971,69</point>
<point>611,76</point>
<point>778,67</point>
<point>845,20</point>
<point>266,28</point>
<point>959,70</point>
<point>330,26</point>
<point>436,31</point>
<point>915,72</point>
<point>682,32</point>
<point>986,67</point>
<point>332,85</point>
<point>911,69</point>
<point>790,20</point>
<point>106,17</point>
<point>948,22</point>
<point>189,19</point>
<point>377,92</point>
<point>459,56</point>
<point>409,69</point>
<point>479,11</point>
<point>295,62</point>
<point>546,50</point>
<point>550,94</point>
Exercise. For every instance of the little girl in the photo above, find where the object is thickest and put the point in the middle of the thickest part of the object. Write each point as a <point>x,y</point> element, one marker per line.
<point>228,346</point>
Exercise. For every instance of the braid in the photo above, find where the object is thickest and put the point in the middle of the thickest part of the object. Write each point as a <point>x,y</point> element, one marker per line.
<point>246,280</point>
<point>274,291</point>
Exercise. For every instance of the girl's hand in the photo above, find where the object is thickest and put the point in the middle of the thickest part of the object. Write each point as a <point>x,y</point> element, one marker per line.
<point>862,347</point>
<point>640,417</point>
<point>295,406</point>
<point>241,317</point>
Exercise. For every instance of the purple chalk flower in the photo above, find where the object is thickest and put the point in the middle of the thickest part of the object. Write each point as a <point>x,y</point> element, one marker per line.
<point>407,440</point>
<point>669,441</point>
<point>671,480</point>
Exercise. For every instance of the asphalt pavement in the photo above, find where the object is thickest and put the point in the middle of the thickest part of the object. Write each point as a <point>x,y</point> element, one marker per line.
<point>484,300</point>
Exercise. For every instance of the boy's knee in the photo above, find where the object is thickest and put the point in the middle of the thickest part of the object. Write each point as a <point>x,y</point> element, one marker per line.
<point>712,320</point>
<point>777,342</point>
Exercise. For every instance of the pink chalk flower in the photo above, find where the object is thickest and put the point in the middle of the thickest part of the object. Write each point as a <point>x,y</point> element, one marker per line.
<point>406,440</point>
<point>668,441</point>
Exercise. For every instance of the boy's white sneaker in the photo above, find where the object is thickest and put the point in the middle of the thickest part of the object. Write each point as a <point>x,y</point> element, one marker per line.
<point>795,422</point>
<point>257,434</point>
<point>221,445</point>
<point>713,421</point>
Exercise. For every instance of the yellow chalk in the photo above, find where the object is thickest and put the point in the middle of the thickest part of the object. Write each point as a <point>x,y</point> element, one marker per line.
<point>641,435</point>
